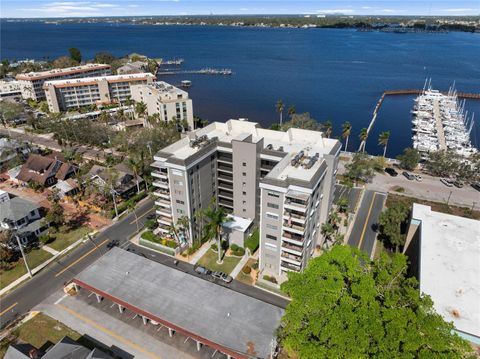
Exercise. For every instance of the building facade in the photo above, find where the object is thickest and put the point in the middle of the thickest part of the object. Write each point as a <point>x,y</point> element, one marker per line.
<point>63,95</point>
<point>10,88</point>
<point>283,181</point>
<point>31,84</point>
<point>166,101</point>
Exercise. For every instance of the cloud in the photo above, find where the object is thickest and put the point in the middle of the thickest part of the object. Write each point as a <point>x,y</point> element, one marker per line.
<point>71,8</point>
<point>132,5</point>
<point>459,10</point>
<point>366,7</point>
<point>336,11</point>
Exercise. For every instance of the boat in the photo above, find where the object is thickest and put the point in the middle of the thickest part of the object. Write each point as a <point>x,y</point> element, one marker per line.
<point>186,83</point>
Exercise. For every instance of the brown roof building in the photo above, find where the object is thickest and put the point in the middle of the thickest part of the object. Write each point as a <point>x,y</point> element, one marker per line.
<point>44,170</point>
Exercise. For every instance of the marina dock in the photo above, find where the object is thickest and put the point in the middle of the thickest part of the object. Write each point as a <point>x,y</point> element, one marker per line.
<point>205,71</point>
<point>442,145</point>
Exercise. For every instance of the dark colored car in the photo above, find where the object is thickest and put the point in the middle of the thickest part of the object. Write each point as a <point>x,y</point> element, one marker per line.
<point>202,270</point>
<point>151,216</point>
<point>409,176</point>
<point>476,185</point>
<point>391,171</point>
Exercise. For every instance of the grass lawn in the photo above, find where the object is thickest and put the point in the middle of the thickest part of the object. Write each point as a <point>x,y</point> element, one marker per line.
<point>246,278</point>
<point>66,237</point>
<point>34,258</point>
<point>38,331</point>
<point>209,260</point>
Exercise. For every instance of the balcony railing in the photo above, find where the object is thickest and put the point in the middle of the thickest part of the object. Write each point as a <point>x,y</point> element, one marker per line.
<point>292,247</point>
<point>225,177</point>
<point>291,257</point>
<point>293,226</point>
<point>223,185</point>
<point>293,216</point>
<point>225,194</point>
<point>225,202</point>
<point>290,266</point>
<point>163,203</point>
<point>293,236</point>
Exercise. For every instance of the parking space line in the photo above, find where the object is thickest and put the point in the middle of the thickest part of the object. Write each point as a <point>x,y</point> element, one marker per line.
<point>109,332</point>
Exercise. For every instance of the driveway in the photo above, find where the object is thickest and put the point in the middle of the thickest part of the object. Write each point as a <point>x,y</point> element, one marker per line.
<point>429,189</point>
<point>364,235</point>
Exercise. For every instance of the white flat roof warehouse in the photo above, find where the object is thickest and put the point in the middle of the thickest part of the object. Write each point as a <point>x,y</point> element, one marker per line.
<point>450,266</point>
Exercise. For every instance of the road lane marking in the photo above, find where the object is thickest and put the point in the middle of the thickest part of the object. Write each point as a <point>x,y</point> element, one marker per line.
<point>82,257</point>
<point>109,332</point>
<point>144,214</point>
<point>10,307</point>
<point>60,299</point>
<point>366,220</point>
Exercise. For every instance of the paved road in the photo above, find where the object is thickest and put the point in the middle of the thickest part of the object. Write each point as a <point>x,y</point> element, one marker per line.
<point>52,278</point>
<point>363,233</point>
<point>352,194</point>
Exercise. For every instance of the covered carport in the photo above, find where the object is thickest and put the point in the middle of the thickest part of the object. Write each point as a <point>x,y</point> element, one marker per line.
<point>229,322</point>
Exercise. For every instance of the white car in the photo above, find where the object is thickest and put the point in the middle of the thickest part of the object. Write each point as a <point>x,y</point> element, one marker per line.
<point>418,178</point>
<point>446,182</point>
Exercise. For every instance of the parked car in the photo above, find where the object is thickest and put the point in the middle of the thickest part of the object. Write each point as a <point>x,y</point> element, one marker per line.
<point>458,184</point>
<point>222,276</point>
<point>391,171</point>
<point>418,178</point>
<point>202,270</point>
<point>476,185</point>
<point>151,216</point>
<point>446,182</point>
<point>409,176</point>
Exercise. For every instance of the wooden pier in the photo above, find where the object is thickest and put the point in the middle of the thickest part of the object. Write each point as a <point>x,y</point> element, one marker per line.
<point>466,95</point>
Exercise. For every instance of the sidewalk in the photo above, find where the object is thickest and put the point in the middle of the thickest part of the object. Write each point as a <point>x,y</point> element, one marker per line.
<point>239,266</point>
<point>199,254</point>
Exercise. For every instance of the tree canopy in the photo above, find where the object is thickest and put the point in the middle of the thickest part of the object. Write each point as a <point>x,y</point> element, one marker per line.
<point>409,159</point>
<point>346,306</point>
<point>391,221</point>
<point>302,120</point>
<point>75,54</point>
<point>360,168</point>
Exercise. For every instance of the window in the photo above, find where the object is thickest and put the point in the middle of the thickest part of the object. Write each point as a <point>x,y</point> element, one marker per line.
<point>244,174</point>
<point>269,236</point>
<point>273,194</point>
<point>244,164</point>
<point>244,202</point>
<point>271,226</point>
<point>244,193</point>
<point>244,210</point>
<point>272,205</point>
<point>272,215</point>
<point>244,184</point>
<point>179,202</point>
<point>271,246</point>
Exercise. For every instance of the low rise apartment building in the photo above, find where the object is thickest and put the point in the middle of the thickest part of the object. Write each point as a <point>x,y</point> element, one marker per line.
<point>31,84</point>
<point>166,101</point>
<point>282,181</point>
<point>10,88</point>
<point>63,95</point>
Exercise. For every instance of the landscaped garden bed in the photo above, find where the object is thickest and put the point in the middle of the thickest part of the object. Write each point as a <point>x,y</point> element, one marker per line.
<point>155,242</point>
<point>209,260</point>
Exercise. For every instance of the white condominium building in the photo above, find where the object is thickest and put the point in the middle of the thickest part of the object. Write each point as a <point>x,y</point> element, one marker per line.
<point>63,95</point>
<point>282,181</point>
<point>32,83</point>
<point>165,100</point>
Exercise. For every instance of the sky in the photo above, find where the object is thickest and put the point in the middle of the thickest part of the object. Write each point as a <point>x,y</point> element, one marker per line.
<point>73,8</point>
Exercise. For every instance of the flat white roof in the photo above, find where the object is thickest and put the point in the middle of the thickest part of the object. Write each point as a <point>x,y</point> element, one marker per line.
<point>112,78</point>
<point>450,266</point>
<point>237,223</point>
<point>291,141</point>
<point>59,72</point>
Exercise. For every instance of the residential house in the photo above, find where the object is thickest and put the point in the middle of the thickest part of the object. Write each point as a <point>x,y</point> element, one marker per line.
<point>120,177</point>
<point>45,170</point>
<point>11,150</point>
<point>22,217</point>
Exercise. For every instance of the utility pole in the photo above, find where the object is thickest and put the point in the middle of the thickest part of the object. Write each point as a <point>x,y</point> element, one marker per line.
<point>450,195</point>
<point>114,202</point>
<point>23,255</point>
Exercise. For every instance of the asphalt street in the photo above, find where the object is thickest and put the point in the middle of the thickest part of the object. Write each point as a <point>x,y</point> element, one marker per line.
<point>364,232</point>
<point>352,194</point>
<point>54,276</point>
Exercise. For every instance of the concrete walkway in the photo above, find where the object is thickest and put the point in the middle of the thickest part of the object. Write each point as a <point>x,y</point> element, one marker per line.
<point>50,250</point>
<point>239,266</point>
<point>200,253</point>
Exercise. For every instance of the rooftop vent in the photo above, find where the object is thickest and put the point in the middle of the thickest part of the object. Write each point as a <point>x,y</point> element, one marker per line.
<point>297,158</point>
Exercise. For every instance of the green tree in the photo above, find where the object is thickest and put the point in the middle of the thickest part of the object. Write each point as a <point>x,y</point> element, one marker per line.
<point>9,111</point>
<point>291,110</point>
<point>64,61</point>
<point>346,131</point>
<point>215,218</point>
<point>279,106</point>
<point>443,163</point>
<point>390,224</point>
<point>104,57</point>
<point>342,204</point>
<point>346,306</point>
<point>301,120</point>
<point>75,54</point>
<point>409,159</point>
<point>328,127</point>
<point>140,108</point>
<point>363,138</point>
<point>383,140</point>
<point>361,168</point>
<point>55,216</point>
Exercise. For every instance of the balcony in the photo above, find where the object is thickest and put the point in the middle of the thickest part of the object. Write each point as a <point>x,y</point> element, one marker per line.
<point>164,220</point>
<point>296,205</point>
<point>292,238</point>
<point>225,202</point>
<point>225,194</point>
<point>161,184</point>
<point>293,228</point>
<point>224,159</point>
<point>164,212</point>
<point>162,194</point>
<point>160,175</point>
<point>298,250</point>
<point>163,203</point>
<point>291,258</point>
<point>223,168</point>
<point>225,177</point>
<point>225,186</point>
<point>294,217</point>
<point>290,266</point>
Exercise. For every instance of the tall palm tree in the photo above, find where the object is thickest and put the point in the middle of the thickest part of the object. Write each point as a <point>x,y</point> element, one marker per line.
<point>363,138</point>
<point>383,140</point>
<point>216,217</point>
<point>328,127</point>
<point>346,130</point>
<point>140,108</point>
<point>135,165</point>
<point>280,106</point>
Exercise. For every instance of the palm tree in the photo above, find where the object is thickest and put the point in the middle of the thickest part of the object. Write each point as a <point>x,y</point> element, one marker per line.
<point>346,130</point>
<point>134,165</point>
<point>280,107</point>
<point>216,217</point>
<point>328,128</point>
<point>383,140</point>
<point>140,108</point>
<point>291,110</point>
<point>184,224</point>
<point>363,138</point>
